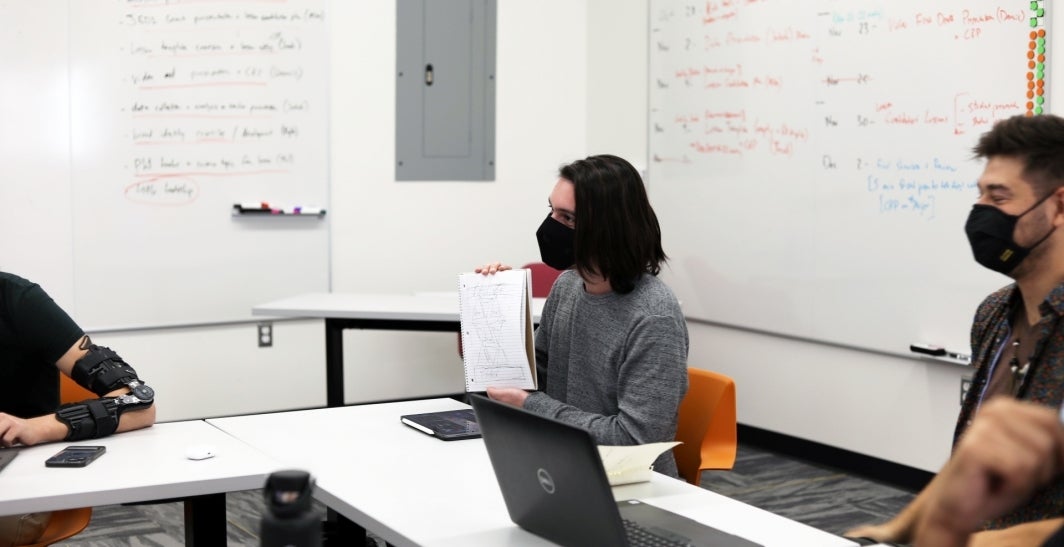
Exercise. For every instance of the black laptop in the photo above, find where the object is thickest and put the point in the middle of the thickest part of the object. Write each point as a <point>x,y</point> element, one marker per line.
<point>448,425</point>
<point>555,486</point>
<point>6,455</point>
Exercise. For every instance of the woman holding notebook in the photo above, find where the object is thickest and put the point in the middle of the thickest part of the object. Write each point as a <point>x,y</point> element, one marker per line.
<point>611,347</point>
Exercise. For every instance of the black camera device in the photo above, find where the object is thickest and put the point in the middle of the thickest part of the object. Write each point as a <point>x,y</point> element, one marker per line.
<point>289,518</point>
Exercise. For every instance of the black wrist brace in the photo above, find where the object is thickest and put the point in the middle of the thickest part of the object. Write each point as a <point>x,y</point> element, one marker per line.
<point>89,419</point>
<point>97,418</point>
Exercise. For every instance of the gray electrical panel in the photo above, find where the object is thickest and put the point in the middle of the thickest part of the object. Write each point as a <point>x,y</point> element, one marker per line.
<point>445,90</point>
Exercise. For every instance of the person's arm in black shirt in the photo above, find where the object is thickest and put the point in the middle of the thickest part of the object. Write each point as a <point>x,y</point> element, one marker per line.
<point>48,428</point>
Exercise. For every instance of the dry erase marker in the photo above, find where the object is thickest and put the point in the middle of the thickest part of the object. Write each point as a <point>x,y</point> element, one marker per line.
<point>245,209</point>
<point>928,349</point>
<point>255,205</point>
<point>938,351</point>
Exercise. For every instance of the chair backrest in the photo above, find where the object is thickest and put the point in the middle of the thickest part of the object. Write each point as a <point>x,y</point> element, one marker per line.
<point>706,425</point>
<point>67,522</point>
<point>64,524</point>
<point>71,392</point>
<point>543,277</point>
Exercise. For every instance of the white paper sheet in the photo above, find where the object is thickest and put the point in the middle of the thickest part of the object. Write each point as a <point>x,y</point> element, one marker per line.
<point>627,464</point>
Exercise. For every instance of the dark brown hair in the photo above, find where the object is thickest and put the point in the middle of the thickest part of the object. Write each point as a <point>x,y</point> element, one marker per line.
<point>1037,141</point>
<point>617,233</point>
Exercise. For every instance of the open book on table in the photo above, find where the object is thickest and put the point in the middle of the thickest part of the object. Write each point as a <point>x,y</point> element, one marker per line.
<point>496,317</point>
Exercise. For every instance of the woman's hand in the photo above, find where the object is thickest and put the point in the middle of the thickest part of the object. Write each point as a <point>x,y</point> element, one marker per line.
<point>492,267</point>
<point>509,395</point>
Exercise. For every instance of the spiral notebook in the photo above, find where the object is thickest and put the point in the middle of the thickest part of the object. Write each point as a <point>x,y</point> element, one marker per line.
<point>496,317</point>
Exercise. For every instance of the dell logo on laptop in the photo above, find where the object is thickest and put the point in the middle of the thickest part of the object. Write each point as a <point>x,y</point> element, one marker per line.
<point>545,480</point>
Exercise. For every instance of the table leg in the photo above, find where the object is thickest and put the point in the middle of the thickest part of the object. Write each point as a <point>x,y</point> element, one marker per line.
<point>334,363</point>
<point>334,346</point>
<point>205,520</point>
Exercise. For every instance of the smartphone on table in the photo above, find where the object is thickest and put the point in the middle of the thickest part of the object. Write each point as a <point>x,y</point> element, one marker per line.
<point>75,456</point>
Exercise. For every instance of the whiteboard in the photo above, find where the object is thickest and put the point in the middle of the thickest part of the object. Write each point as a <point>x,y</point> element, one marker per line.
<point>810,162</point>
<point>161,116</point>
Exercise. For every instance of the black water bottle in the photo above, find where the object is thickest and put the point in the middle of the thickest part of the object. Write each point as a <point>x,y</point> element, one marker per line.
<point>289,520</point>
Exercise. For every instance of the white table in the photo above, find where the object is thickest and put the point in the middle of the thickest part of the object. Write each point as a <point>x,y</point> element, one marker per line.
<point>412,489</point>
<point>142,465</point>
<point>426,312</point>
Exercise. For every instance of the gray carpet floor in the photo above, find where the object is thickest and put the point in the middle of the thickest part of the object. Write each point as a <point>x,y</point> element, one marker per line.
<point>821,497</point>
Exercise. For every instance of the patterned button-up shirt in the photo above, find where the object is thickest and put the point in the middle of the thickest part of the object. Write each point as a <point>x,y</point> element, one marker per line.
<point>1044,382</point>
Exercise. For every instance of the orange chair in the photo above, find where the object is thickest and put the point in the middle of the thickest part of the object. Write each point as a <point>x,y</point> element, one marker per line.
<point>63,525</point>
<point>67,522</point>
<point>71,392</point>
<point>543,277</point>
<point>706,425</point>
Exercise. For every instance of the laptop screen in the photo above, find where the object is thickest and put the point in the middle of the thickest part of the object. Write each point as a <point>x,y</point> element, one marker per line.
<point>555,486</point>
<point>550,474</point>
<point>6,456</point>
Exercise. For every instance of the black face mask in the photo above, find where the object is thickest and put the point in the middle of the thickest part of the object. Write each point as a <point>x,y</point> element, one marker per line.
<point>556,244</point>
<point>990,232</point>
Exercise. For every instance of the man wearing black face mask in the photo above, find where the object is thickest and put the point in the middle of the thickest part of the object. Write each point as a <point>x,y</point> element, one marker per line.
<point>611,347</point>
<point>1018,332</point>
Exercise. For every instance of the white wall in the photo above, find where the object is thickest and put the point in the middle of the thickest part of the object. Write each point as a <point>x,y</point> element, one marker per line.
<point>902,410</point>
<point>404,236</point>
<point>571,81</point>
<point>392,236</point>
<point>200,372</point>
<point>617,57</point>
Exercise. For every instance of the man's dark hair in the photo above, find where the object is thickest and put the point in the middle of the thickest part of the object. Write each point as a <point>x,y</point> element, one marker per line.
<point>1036,141</point>
<point>617,233</point>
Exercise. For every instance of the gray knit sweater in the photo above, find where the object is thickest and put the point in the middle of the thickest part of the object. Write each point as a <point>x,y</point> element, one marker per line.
<point>614,364</point>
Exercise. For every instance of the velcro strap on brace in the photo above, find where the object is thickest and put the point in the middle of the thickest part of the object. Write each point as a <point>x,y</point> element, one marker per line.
<point>89,419</point>
<point>102,371</point>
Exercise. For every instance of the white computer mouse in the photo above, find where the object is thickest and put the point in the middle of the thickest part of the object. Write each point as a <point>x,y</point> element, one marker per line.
<point>200,452</point>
